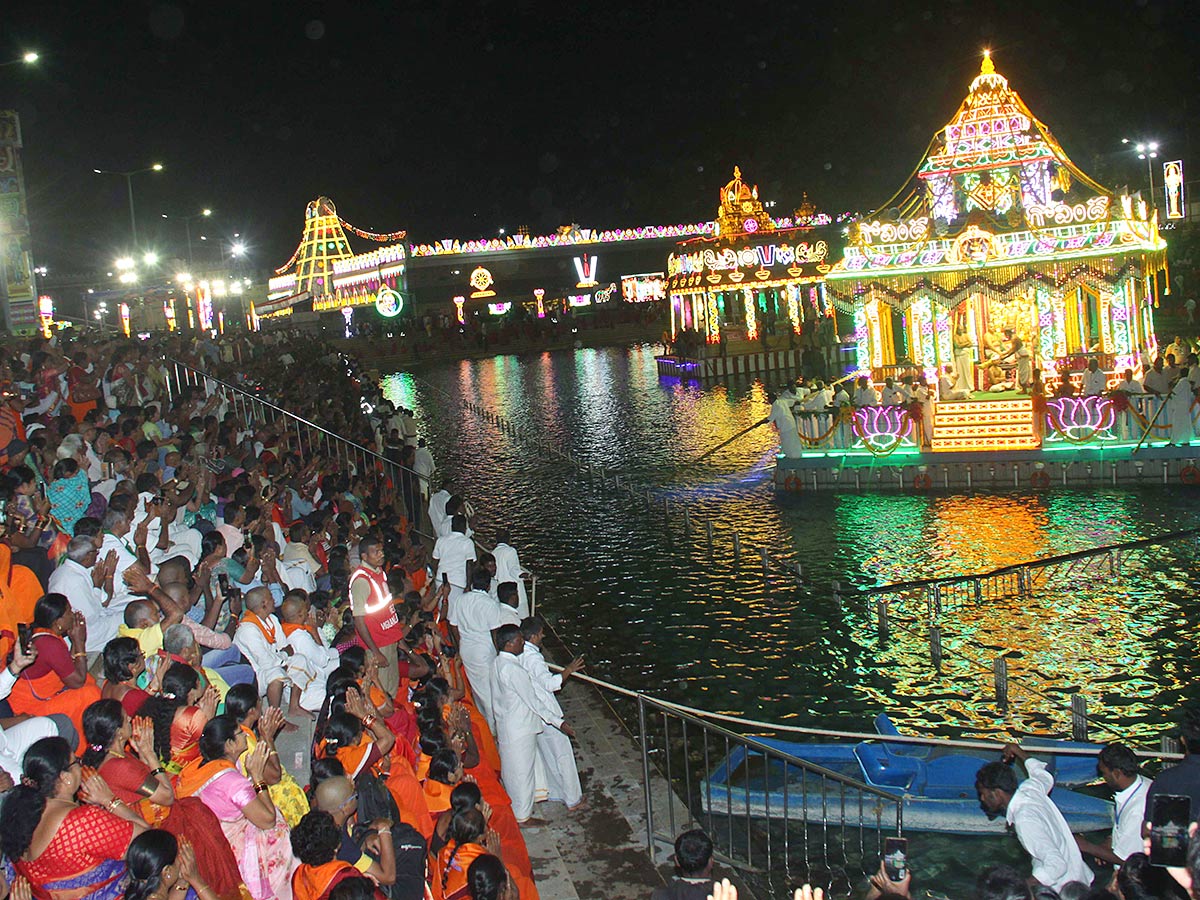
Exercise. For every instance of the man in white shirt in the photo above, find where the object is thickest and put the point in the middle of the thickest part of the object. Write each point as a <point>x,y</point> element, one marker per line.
<point>437,505</point>
<point>509,568</point>
<point>1127,424</point>
<point>554,747</point>
<point>121,540</point>
<point>1095,382</point>
<point>89,587</point>
<point>521,715</point>
<point>478,614</point>
<point>1157,381</point>
<point>261,639</point>
<point>864,394</point>
<point>1118,766</point>
<point>1039,824</point>
<point>453,551</point>
<point>424,466</point>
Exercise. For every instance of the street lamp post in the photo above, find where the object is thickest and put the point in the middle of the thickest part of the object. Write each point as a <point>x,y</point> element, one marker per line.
<point>1147,150</point>
<point>128,176</point>
<point>187,224</point>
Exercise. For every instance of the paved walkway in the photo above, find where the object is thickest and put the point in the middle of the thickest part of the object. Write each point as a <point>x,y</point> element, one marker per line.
<point>599,851</point>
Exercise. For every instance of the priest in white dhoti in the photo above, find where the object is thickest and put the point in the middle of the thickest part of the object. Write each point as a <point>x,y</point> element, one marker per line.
<point>1179,410</point>
<point>509,568</point>
<point>478,613</point>
<point>948,387</point>
<point>260,637</point>
<point>789,436</point>
<point>521,715</point>
<point>554,747</point>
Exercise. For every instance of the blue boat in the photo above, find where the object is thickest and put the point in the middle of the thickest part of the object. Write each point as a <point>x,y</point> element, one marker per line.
<point>1067,768</point>
<point>936,794</point>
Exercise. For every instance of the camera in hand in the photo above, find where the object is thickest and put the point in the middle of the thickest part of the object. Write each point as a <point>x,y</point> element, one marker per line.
<point>1170,815</point>
<point>25,637</point>
<point>895,858</point>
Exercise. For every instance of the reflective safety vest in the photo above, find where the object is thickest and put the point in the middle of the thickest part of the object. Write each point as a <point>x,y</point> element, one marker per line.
<point>383,620</point>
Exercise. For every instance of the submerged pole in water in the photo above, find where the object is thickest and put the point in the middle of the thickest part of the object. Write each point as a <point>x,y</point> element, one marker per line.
<point>881,613</point>
<point>935,647</point>
<point>1000,676</point>
<point>737,548</point>
<point>766,561</point>
<point>709,536</point>
<point>1079,722</point>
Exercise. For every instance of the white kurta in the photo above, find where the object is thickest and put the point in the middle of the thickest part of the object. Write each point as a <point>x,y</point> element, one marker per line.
<point>452,551</point>
<point>74,582</point>
<point>309,666</point>
<point>478,613</point>
<point>184,541</point>
<point>437,509</point>
<point>554,747</point>
<point>789,436</point>
<point>508,568</point>
<point>266,656</point>
<point>1043,831</point>
<point>1094,383</point>
<point>521,715</point>
<point>1179,412</point>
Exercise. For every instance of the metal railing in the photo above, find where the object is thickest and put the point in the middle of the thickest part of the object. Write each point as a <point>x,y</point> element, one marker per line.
<point>767,811</point>
<point>1019,581</point>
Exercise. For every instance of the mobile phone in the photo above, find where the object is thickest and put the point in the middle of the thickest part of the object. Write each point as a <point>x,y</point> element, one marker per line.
<point>247,541</point>
<point>223,581</point>
<point>445,578</point>
<point>108,470</point>
<point>42,489</point>
<point>895,858</point>
<point>24,637</point>
<point>1169,818</point>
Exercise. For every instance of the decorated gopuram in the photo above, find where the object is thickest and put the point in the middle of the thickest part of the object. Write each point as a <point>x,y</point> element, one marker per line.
<point>325,274</point>
<point>997,273</point>
<point>739,296</point>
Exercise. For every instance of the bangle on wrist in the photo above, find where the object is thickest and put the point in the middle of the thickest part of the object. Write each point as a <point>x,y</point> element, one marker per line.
<point>369,721</point>
<point>259,787</point>
<point>159,771</point>
<point>113,804</point>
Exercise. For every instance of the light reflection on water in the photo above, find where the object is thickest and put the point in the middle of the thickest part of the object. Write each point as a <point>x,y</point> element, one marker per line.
<point>651,612</point>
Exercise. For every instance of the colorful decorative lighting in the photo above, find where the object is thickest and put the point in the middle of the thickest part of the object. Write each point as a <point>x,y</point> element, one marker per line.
<point>388,302</point>
<point>458,309</point>
<point>481,280</point>
<point>539,293</point>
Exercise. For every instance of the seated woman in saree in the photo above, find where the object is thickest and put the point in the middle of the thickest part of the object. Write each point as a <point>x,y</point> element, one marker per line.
<point>67,850</point>
<point>469,839</point>
<point>254,828</point>
<point>179,713</point>
<point>245,705</point>
<point>123,664</point>
<point>58,681</point>
<point>122,752</point>
<point>160,865</point>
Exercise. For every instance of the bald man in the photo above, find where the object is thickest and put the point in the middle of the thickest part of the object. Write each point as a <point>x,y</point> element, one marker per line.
<point>383,844</point>
<point>260,637</point>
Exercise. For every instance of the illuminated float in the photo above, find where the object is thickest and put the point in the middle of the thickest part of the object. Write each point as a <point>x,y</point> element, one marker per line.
<point>1000,263</point>
<point>752,276</point>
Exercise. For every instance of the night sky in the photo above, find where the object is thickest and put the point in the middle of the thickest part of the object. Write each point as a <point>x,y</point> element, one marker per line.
<point>457,119</point>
